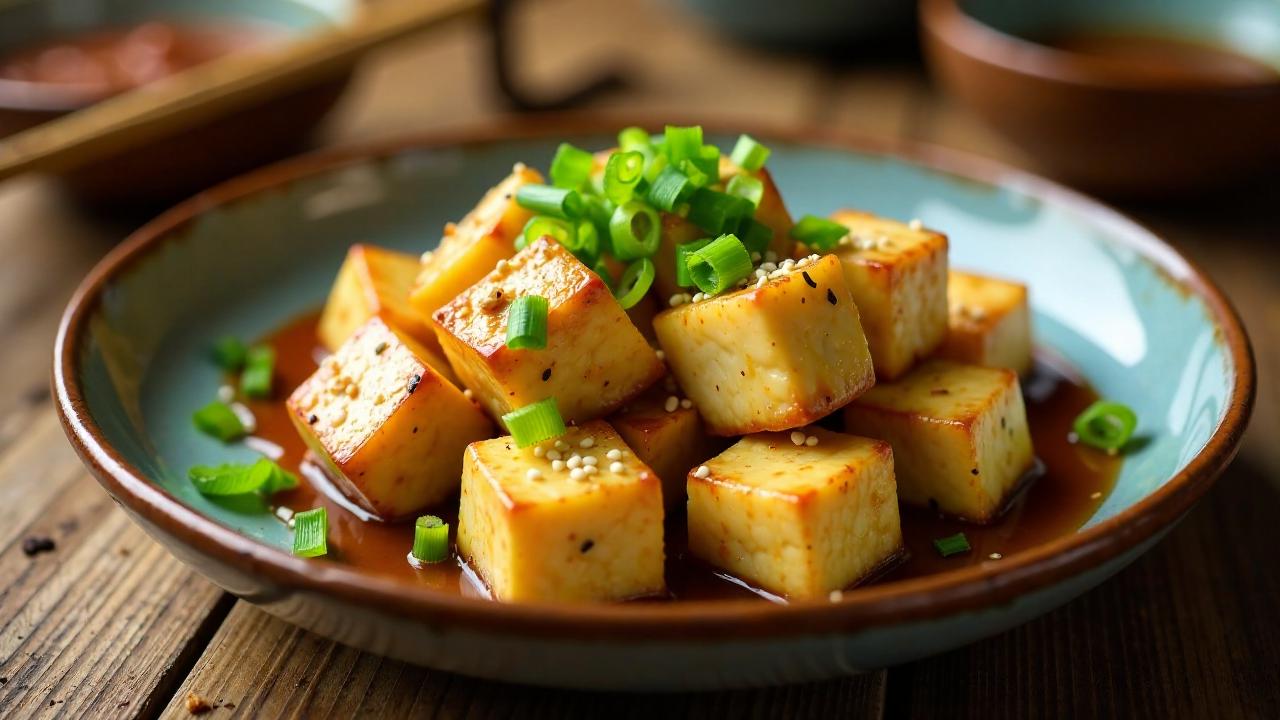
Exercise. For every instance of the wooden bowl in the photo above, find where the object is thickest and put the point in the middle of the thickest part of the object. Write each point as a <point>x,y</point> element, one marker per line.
<point>1100,126</point>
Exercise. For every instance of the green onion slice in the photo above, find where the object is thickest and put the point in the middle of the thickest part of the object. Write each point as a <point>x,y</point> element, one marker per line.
<point>749,154</point>
<point>541,226</point>
<point>683,251</point>
<point>1106,425</point>
<point>755,235</point>
<point>818,233</point>
<point>952,545</point>
<point>682,143</point>
<point>697,178</point>
<point>430,539</point>
<point>535,423</point>
<point>229,353</point>
<point>635,230</point>
<point>217,420</point>
<point>718,212</point>
<point>557,202</point>
<point>634,139</point>
<point>655,167</point>
<point>259,372</point>
<point>238,479</point>
<point>621,174</point>
<point>310,533</point>
<point>571,166</point>
<point>670,189</point>
<point>747,188</point>
<point>719,265</point>
<point>280,479</point>
<point>635,282</point>
<point>707,161</point>
<point>586,242</point>
<point>527,323</point>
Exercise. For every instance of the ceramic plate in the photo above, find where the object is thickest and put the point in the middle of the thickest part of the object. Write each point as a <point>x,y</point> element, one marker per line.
<point>1139,322</point>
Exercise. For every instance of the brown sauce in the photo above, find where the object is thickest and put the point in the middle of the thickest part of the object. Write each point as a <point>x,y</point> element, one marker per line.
<point>1164,61</point>
<point>1073,484</point>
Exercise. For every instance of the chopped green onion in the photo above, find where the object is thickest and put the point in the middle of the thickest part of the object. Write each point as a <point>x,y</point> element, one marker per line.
<point>745,186</point>
<point>683,143</point>
<point>635,230</point>
<point>755,235</point>
<point>719,265</point>
<point>571,167</point>
<point>229,353</point>
<point>598,210</point>
<point>670,189</point>
<point>952,545</point>
<point>280,479</point>
<point>310,533</point>
<point>707,161</point>
<point>621,174</point>
<point>818,233</point>
<point>535,423</point>
<point>1106,425</point>
<point>749,154</point>
<point>697,178</point>
<point>238,479</point>
<point>718,212</point>
<point>586,242</point>
<point>554,201</point>
<point>218,420</point>
<point>655,167</point>
<point>683,251</point>
<point>634,139</point>
<point>542,226</point>
<point>527,323</point>
<point>635,282</point>
<point>430,539</point>
<point>259,371</point>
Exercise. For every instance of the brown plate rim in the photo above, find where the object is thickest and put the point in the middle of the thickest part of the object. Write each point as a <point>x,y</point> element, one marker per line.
<point>967,589</point>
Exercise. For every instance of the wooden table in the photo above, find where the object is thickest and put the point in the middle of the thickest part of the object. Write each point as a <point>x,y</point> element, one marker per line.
<point>110,625</point>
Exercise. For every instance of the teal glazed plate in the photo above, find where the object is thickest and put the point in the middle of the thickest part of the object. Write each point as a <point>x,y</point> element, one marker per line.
<point>1142,324</point>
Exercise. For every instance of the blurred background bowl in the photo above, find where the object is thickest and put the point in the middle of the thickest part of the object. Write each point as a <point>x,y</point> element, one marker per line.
<point>804,24</point>
<point>1121,97</point>
<point>173,167</point>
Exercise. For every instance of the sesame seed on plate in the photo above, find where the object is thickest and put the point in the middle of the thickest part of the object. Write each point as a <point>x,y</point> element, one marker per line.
<point>995,556</point>
<point>673,402</point>
<point>797,437</point>
<point>686,403</point>
<point>810,441</point>
<point>702,472</point>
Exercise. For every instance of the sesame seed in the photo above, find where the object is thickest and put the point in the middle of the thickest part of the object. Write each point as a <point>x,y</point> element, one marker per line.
<point>810,441</point>
<point>468,394</point>
<point>672,403</point>
<point>534,474</point>
<point>574,462</point>
<point>769,267</point>
<point>590,469</point>
<point>589,460</point>
<point>614,454</point>
<point>755,256</point>
<point>500,265</point>
<point>1095,496</point>
<point>557,465</point>
<point>615,467</point>
<point>561,445</point>
<point>770,256</point>
<point>686,403</point>
<point>539,451</point>
<point>797,437</point>
<point>339,417</point>
<point>702,472</point>
<point>995,556</point>
<point>915,224</point>
<point>836,596</point>
<point>577,474</point>
<point>661,355</point>
<point>586,442</point>
<point>761,282</point>
<point>553,454</point>
<point>226,393</point>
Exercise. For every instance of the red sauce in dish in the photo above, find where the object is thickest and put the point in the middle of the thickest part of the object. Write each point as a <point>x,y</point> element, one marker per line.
<point>1074,482</point>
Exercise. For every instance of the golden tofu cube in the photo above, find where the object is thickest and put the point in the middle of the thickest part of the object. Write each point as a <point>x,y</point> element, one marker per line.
<point>470,249</point>
<point>772,356</point>
<point>959,434</point>
<point>990,322</point>
<point>595,359</point>
<point>373,281</point>
<point>390,428</point>
<point>671,441</point>
<point>797,520</point>
<point>898,276</point>
<point>534,532</point>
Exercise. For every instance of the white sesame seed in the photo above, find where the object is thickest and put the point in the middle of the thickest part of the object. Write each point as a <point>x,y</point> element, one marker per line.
<point>797,437</point>
<point>770,256</point>
<point>590,460</point>
<point>468,394</point>
<point>561,445</point>
<point>769,266</point>
<point>672,403</point>
<point>576,474</point>
<point>814,257</point>
<point>615,467</point>
<point>761,282</point>
<point>500,265</point>
<point>553,454</point>
<point>662,355</point>
<point>810,441</point>
<point>836,596</point>
<point>614,454</point>
<point>686,403</point>
<point>755,256</point>
<point>1095,496</point>
<point>586,442</point>
<point>557,465</point>
<point>539,451</point>
<point>702,472</point>
<point>534,474</point>
<point>574,462</point>
<point>590,469</point>
<point>284,513</point>
<point>915,224</point>
<point>426,256</point>
<point>995,556</point>
<point>226,393</point>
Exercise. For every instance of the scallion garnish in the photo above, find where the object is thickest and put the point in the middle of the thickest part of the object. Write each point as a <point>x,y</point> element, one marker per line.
<point>535,423</point>
<point>749,154</point>
<point>718,212</point>
<point>635,282</point>
<point>719,265</point>
<point>621,174</point>
<point>563,203</point>
<point>218,420</point>
<point>310,533</point>
<point>586,242</point>
<point>697,178</point>
<point>952,545</point>
<point>543,226</point>
<point>634,139</point>
<point>430,539</point>
<point>238,479</point>
<point>707,162</point>
<point>1106,425</point>
<point>571,167</point>
<point>527,323</point>
<point>259,372</point>
<point>682,143</point>
<point>229,353</point>
<point>755,235</point>
<point>818,233</point>
<point>683,278</point>
<point>670,189</point>
<point>635,231</point>
<point>746,187</point>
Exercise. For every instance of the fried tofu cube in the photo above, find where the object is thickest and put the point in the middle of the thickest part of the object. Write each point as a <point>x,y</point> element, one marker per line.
<point>595,359</point>
<point>666,436</point>
<point>390,428</point>
<point>959,436</point>
<point>373,281</point>
<point>772,356</point>
<point>533,532</point>
<point>470,248</point>
<point>797,520</point>
<point>898,276</point>
<point>990,322</point>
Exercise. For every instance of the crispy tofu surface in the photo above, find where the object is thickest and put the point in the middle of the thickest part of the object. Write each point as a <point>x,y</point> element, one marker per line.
<point>373,281</point>
<point>990,322</point>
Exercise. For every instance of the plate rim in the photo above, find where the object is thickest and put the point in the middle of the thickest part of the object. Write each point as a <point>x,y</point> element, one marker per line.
<point>937,596</point>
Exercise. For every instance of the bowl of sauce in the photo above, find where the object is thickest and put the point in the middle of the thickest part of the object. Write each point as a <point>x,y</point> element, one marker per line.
<point>56,59</point>
<point>1131,97</point>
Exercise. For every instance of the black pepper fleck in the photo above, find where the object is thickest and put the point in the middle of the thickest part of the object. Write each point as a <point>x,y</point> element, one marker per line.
<point>37,544</point>
<point>381,348</point>
<point>415,429</point>
<point>1002,423</point>
<point>939,391</point>
<point>831,296</point>
<point>588,544</point>
<point>313,419</point>
<point>808,279</point>
<point>974,471</point>
<point>546,375</point>
<point>413,383</point>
